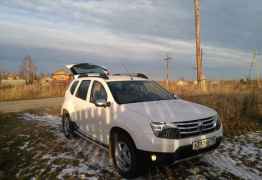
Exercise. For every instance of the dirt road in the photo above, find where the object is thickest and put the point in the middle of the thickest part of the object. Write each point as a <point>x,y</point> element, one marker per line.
<point>22,105</point>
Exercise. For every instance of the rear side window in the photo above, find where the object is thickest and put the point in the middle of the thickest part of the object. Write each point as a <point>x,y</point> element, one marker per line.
<point>73,87</point>
<point>83,89</point>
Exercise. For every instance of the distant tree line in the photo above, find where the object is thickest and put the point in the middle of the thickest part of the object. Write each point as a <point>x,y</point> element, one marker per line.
<point>26,71</point>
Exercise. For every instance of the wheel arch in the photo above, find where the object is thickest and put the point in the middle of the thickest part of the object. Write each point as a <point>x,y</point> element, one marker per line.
<point>119,130</point>
<point>65,112</point>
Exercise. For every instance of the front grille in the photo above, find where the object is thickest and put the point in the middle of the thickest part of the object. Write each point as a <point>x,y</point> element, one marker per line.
<point>178,130</point>
<point>196,127</point>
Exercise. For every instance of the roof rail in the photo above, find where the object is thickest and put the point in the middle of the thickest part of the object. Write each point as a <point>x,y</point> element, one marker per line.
<point>140,75</point>
<point>99,75</point>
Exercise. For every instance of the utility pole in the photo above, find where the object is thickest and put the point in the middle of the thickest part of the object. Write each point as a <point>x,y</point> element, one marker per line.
<point>257,68</point>
<point>254,65</point>
<point>167,59</point>
<point>199,65</point>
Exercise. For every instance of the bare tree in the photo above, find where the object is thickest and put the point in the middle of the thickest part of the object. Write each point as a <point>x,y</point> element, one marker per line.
<point>28,69</point>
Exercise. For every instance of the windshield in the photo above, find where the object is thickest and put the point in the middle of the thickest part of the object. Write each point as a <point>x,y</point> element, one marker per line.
<point>126,92</point>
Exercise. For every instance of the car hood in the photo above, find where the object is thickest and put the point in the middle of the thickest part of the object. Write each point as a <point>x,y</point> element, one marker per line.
<point>170,110</point>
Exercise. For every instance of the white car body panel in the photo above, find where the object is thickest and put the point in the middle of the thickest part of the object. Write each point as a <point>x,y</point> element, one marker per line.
<point>171,110</point>
<point>134,118</point>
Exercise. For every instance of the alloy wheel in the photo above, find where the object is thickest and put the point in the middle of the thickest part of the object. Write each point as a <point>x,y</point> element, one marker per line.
<point>123,156</point>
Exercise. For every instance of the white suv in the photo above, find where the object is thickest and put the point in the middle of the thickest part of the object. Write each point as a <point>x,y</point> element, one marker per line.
<point>138,120</point>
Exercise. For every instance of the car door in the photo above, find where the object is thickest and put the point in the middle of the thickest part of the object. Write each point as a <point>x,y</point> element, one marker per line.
<point>82,106</point>
<point>99,114</point>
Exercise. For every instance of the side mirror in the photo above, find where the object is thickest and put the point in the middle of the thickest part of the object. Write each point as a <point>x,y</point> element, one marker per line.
<point>102,103</point>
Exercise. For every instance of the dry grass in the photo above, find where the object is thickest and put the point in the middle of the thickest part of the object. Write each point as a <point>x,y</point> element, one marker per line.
<point>31,92</point>
<point>239,105</point>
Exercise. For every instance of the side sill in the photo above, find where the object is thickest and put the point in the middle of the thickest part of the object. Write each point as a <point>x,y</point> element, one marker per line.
<point>90,139</point>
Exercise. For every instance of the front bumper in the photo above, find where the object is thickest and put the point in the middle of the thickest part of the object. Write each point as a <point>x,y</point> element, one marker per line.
<point>182,153</point>
<point>150,143</point>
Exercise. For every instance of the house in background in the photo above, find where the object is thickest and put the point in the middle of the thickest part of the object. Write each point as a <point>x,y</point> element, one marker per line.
<point>61,76</point>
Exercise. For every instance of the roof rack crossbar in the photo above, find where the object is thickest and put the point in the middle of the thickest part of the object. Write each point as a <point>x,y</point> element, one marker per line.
<point>140,75</point>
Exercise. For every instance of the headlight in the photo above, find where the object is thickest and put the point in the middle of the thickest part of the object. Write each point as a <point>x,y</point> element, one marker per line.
<point>157,127</point>
<point>217,122</point>
<point>164,130</point>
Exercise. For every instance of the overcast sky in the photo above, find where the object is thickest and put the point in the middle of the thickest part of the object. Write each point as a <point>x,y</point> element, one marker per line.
<point>136,33</point>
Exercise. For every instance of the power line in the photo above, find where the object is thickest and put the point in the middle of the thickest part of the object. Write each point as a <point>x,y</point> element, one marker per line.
<point>254,66</point>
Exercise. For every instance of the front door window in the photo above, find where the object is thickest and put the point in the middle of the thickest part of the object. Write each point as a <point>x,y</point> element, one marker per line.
<point>98,92</point>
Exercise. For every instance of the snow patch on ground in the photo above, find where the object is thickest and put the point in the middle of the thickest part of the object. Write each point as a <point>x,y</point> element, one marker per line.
<point>90,161</point>
<point>236,157</point>
<point>53,121</point>
<point>240,156</point>
<point>24,146</point>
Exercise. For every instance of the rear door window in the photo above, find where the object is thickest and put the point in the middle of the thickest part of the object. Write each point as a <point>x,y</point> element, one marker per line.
<point>83,89</point>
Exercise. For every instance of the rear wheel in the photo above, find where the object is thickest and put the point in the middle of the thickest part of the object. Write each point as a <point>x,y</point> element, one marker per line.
<point>127,159</point>
<point>67,126</point>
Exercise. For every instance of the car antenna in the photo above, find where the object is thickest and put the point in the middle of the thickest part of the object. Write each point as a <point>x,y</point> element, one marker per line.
<point>125,68</point>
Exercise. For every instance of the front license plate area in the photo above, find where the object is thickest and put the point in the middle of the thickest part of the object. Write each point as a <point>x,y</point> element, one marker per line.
<point>203,143</point>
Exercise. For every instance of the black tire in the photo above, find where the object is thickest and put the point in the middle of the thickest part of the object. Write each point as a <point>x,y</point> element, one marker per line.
<point>67,127</point>
<point>138,164</point>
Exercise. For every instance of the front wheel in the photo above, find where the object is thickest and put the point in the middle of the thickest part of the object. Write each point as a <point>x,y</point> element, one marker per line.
<point>126,157</point>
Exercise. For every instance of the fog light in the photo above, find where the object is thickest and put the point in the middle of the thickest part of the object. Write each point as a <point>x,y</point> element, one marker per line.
<point>153,157</point>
